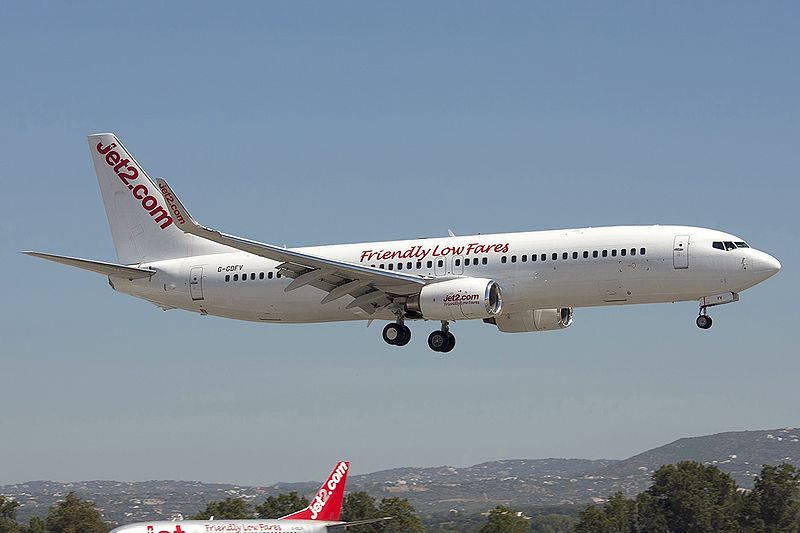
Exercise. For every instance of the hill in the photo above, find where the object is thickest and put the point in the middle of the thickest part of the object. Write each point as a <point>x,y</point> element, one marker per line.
<point>438,490</point>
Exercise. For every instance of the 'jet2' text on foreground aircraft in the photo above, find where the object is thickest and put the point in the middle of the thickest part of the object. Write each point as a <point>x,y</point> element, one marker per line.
<point>528,281</point>
<point>321,516</point>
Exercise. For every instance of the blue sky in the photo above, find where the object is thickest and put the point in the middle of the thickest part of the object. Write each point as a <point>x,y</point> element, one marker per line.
<point>313,123</point>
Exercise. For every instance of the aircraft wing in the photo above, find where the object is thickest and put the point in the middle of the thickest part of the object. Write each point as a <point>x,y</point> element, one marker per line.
<point>371,288</point>
<point>101,267</point>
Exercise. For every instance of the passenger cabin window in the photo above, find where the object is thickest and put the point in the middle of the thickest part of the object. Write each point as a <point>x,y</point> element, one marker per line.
<point>227,277</point>
<point>440,263</point>
<point>236,277</point>
<point>574,255</point>
<point>503,259</point>
<point>269,275</point>
<point>623,252</point>
<point>564,255</point>
<point>399,266</point>
<point>633,251</point>
<point>458,262</point>
<point>430,264</point>
<point>278,275</point>
<point>513,258</point>
<point>524,258</point>
<point>419,265</point>
<point>391,266</point>
<point>555,256</point>
<point>605,253</point>
<point>641,251</point>
<point>485,260</point>
<point>594,253</point>
<point>585,254</point>
<point>253,276</point>
<point>533,257</point>
<point>260,275</point>
<point>614,253</point>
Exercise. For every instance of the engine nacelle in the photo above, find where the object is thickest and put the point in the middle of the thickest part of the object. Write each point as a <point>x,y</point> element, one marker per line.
<point>533,320</point>
<point>457,299</point>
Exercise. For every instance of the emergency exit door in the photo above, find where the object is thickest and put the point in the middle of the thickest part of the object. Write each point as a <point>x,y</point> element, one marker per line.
<point>680,252</point>
<point>196,283</point>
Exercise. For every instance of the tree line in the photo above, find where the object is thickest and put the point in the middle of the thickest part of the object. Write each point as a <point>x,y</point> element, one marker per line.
<point>688,497</point>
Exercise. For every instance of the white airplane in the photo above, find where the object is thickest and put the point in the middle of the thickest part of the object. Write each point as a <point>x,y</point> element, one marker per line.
<point>321,516</point>
<point>518,282</point>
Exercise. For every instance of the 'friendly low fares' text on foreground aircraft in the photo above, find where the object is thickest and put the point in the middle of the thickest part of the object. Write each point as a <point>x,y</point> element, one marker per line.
<point>518,282</point>
<point>321,516</point>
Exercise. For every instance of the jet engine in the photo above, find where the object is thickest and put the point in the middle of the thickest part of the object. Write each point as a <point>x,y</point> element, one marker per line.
<point>457,299</point>
<point>533,320</point>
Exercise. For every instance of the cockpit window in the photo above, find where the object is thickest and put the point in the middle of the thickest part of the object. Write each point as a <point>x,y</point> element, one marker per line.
<point>728,245</point>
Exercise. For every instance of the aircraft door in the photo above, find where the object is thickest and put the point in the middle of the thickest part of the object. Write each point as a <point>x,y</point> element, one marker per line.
<point>680,251</point>
<point>440,266</point>
<point>458,265</point>
<point>196,283</point>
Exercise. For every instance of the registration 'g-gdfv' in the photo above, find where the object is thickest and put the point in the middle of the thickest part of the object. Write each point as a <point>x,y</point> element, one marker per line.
<point>517,282</point>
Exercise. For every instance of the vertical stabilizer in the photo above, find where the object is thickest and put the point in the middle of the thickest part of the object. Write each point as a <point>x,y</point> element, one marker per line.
<point>140,217</point>
<point>327,504</point>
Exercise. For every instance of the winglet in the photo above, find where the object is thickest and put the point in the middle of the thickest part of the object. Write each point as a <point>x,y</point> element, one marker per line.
<point>327,504</point>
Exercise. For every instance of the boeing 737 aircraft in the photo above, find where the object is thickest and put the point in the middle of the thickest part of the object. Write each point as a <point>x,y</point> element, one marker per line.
<point>321,516</point>
<point>517,282</point>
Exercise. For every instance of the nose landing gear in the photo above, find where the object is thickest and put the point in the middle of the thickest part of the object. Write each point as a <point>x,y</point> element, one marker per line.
<point>704,321</point>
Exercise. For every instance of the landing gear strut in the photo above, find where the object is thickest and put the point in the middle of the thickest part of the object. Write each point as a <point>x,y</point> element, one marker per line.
<point>396,333</point>
<point>442,340</point>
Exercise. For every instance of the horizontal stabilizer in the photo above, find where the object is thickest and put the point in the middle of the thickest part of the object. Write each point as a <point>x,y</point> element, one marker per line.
<point>346,525</point>
<point>101,267</point>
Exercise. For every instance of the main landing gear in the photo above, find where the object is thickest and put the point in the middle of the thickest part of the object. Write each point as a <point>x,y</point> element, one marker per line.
<point>398,334</point>
<point>442,340</point>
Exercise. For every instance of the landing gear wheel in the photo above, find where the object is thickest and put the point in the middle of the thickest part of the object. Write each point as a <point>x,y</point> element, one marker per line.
<point>451,343</point>
<point>438,341</point>
<point>403,340</point>
<point>393,333</point>
<point>704,321</point>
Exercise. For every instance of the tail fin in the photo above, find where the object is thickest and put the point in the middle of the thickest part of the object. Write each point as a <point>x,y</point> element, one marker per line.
<point>141,220</point>
<point>327,504</point>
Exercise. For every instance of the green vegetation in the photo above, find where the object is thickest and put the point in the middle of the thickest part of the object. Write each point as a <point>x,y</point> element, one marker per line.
<point>503,519</point>
<point>695,498</point>
<point>361,506</point>
<point>688,497</point>
<point>226,509</point>
<point>281,505</point>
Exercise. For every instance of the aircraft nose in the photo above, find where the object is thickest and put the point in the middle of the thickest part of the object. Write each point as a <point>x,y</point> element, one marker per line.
<point>767,264</point>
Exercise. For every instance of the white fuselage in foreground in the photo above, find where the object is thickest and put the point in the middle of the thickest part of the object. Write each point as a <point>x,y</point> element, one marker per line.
<point>572,268</point>
<point>228,526</point>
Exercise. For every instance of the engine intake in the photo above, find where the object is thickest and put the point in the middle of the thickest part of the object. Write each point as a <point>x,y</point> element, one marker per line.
<point>457,299</point>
